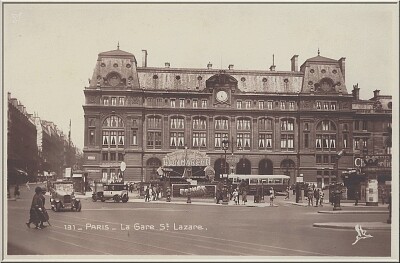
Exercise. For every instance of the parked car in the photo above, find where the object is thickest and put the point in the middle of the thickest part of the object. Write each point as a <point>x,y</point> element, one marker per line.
<point>98,191</point>
<point>63,197</point>
<point>115,191</point>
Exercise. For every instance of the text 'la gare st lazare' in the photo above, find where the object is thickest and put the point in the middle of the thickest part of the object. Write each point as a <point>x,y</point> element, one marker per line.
<point>144,227</point>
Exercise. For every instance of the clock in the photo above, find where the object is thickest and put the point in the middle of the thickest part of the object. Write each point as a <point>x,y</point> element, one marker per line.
<point>222,96</point>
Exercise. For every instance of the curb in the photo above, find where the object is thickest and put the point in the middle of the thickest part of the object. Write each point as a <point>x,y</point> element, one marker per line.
<point>365,225</point>
<point>353,212</point>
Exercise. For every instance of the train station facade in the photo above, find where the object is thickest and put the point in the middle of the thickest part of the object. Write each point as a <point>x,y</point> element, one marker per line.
<point>202,122</point>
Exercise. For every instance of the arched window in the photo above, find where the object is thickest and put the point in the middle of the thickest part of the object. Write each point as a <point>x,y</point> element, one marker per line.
<point>243,133</point>
<point>287,134</point>
<point>265,128</point>
<point>154,132</point>
<point>221,125</point>
<point>199,135</point>
<point>113,132</point>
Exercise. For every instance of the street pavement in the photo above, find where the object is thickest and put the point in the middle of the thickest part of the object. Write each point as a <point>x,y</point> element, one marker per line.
<point>201,228</point>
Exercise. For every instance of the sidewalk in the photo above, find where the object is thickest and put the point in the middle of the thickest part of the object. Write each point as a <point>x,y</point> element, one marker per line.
<point>351,225</point>
<point>194,201</point>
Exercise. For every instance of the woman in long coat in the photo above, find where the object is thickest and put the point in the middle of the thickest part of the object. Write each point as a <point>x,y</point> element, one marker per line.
<point>37,210</point>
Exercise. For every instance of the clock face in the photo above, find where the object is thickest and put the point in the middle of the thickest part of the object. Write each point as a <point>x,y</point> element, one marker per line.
<point>222,96</point>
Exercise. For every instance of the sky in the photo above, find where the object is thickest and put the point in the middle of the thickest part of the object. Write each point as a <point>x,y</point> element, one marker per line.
<point>50,50</point>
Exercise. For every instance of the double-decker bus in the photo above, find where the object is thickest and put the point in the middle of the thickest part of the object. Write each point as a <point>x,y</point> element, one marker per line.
<point>264,182</point>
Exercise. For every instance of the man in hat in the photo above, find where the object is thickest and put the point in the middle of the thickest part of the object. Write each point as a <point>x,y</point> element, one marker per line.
<point>37,209</point>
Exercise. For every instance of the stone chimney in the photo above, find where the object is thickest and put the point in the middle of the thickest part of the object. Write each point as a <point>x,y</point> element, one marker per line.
<point>272,68</point>
<point>356,92</point>
<point>295,64</point>
<point>342,65</point>
<point>376,93</point>
<point>209,65</point>
<point>144,58</point>
<point>167,64</point>
<point>230,67</point>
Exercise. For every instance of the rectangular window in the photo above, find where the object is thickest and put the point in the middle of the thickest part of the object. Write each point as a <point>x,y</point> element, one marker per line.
<point>113,101</point>
<point>357,144</point>
<point>356,125</point>
<point>261,104</point>
<point>239,104</point>
<point>332,142</point>
<point>196,139</point>
<point>203,139</point>
<point>149,101</point>
<point>291,105</point>
<point>173,139</point>
<point>287,125</point>
<point>106,138</point>
<point>283,105</point>
<point>105,156</point>
<point>195,103</point>
<point>159,102</point>
<point>157,140</point>
<point>246,142</point>
<point>345,141</point>
<point>239,140</point>
<point>333,159</point>
<point>265,141</point>
<point>365,143</point>
<point>182,103</point>
<point>105,101</point>
<point>325,159</point>
<point>326,106</point>
<point>204,103</point>
<point>318,142</point>
<point>270,105</point>
<point>113,138</point>
<point>121,101</point>
<point>120,157</point>
<point>333,105</point>
<point>150,140</point>
<point>218,139</point>
<point>248,104</point>
<point>306,140</point>
<point>121,138</point>
<point>112,173</point>
<point>112,156</point>
<point>92,136</point>
<point>283,141</point>
<point>134,137</point>
<point>172,103</point>
<point>365,125</point>
<point>318,105</point>
<point>181,139</point>
<point>318,159</point>
<point>290,142</point>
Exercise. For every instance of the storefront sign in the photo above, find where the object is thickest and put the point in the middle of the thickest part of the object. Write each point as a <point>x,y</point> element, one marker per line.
<point>91,157</point>
<point>186,158</point>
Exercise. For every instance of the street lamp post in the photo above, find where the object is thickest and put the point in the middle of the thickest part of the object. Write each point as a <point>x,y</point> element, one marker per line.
<point>225,146</point>
<point>337,191</point>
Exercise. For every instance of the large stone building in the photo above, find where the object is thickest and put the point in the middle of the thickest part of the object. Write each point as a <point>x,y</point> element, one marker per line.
<point>277,122</point>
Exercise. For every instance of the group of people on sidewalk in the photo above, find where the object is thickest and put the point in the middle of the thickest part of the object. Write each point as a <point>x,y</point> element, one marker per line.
<point>152,193</point>
<point>317,194</point>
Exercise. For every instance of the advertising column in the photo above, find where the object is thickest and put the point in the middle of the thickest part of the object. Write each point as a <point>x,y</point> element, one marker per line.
<point>372,192</point>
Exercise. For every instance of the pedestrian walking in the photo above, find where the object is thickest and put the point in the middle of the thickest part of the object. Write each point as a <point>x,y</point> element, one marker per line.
<point>27,186</point>
<point>38,215</point>
<point>147,195</point>
<point>235,196</point>
<point>356,196</point>
<point>321,197</point>
<point>310,196</point>
<point>271,196</point>
<point>316,196</point>
<point>383,196</point>
<point>244,196</point>
<point>16,191</point>
<point>287,193</point>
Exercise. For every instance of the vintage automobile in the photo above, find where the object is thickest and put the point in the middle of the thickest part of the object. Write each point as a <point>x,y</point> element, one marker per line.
<point>98,191</point>
<point>115,191</point>
<point>63,197</point>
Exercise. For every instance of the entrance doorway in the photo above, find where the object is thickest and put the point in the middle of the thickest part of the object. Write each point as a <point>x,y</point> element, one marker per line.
<point>243,166</point>
<point>265,167</point>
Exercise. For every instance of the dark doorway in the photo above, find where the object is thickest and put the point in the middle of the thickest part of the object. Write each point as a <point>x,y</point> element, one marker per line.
<point>266,167</point>
<point>243,166</point>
